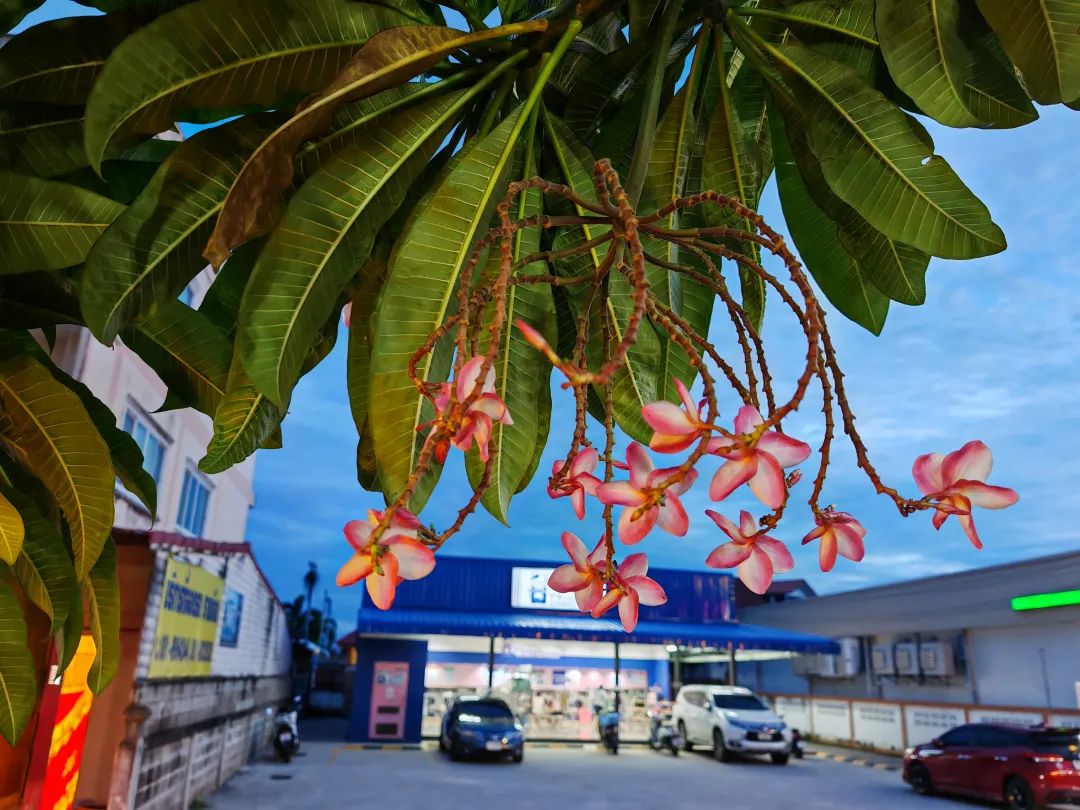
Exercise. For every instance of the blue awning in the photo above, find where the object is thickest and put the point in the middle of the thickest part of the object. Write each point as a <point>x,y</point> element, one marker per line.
<point>573,627</point>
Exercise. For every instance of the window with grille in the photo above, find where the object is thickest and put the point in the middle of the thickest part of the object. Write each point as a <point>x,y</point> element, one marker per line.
<point>194,498</point>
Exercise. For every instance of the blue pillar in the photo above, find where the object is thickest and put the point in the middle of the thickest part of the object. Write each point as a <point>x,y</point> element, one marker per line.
<point>369,651</point>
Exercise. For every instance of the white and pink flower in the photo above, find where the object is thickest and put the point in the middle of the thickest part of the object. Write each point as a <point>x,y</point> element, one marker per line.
<point>579,480</point>
<point>479,417</point>
<point>675,428</point>
<point>631,590</point>
<point>758,462</point>
<point>957,481</point>
<point>584,576</point>
<point>757,555</point>
<point>642,492</point>
<point>838,532</point>
<point>397,556</point>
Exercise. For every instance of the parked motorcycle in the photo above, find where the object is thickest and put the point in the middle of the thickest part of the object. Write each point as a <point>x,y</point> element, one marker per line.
<point>662,734</point>
<point>796,744</point>
<point>608,726</point>
<point>286,731</point>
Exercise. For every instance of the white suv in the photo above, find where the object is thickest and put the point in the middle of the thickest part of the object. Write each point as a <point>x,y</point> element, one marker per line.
<point>731,719</point>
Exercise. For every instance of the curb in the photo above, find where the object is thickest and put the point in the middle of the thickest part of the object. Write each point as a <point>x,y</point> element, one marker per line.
<point>866,763</point>
<point>431,745</point>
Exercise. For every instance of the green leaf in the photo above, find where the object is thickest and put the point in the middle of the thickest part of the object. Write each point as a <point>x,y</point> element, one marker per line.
<point>932,60</point>
<point>389,58</point>
<point>363,302</point>
<point>221,303</point>
<point>68,637</point>
<point>635,384</point>
<point>46,225</point>
<point>821,246</point>
<point>12,13</point>
<point>1042,38</point>
<point>18,679</point>
<point>153,249</point>
<point>732,165</point>
<point>44,567</point>
<point>328,229</point>
<point>876,162</point>
<point>420,294</point>
<point>12,531</point>
<point>56,61</point>
<point>188,353</point>
<point>41,140</point>
<point>36,300</point>
<point>229,55</point>
<point>46,428</point>
<point>522,373</point>
<point>103,598</point>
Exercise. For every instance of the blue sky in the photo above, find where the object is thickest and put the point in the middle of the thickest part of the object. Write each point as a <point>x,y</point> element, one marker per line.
<point>991,355</point>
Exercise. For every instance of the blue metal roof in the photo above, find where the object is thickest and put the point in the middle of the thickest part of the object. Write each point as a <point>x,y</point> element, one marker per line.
<point>572,627</point>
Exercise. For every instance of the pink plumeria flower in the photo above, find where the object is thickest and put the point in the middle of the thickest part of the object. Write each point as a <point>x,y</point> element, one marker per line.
<point>346,314</point>
<point>957,481</point>
<point>661,508</point>
<point>675,428</point>
<point>757,555</point>
<point>397,556</point>
<point>584,577</point>
<point>537,341</point>
<point>760,462</point>
<point>579,480</point>
<point>631,589</point>
<point>838,532</point>
<point>478,418</point>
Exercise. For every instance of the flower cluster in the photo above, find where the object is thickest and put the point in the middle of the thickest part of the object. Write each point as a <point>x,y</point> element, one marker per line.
<point>756,452</point>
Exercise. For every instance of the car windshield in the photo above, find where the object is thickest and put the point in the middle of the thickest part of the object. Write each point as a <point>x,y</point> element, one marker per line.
<point>485,715</point>
<point>1060,743</point>
<point>741,703</point>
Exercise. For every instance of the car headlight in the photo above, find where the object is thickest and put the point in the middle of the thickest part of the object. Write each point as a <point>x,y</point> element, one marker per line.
<point>781,727</point>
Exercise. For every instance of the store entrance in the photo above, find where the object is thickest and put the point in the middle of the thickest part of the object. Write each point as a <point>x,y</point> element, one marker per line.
<point>557,688</point>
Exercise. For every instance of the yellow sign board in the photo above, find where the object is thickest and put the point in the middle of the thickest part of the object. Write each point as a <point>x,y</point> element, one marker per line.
<point>187,621</point>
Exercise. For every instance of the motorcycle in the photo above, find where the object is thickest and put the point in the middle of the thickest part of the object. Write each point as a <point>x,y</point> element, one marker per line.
<point>796,744</point>
<point>662,735</point>
<point>286,731</point>
<point>608,726</point>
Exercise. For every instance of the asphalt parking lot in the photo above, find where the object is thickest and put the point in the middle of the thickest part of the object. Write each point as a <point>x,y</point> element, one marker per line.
<point>330,774</point>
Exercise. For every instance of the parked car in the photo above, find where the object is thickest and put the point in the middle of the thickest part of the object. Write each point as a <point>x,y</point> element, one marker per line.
<point>475,726</point>
<point>1026,767</point>
<point>732,720</point>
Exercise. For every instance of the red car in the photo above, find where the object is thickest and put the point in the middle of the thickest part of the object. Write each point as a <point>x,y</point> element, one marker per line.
<point>1025,767</point>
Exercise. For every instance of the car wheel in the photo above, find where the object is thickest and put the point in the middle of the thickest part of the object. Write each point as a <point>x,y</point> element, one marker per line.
<point>920,780</point>
<point>442,745</point>
<point>1018,795</point>
<point>780,759</point>
<point>674,750</point>
<point>455,752</point>
<point>518,755</point>
<point>720,751</point>
<point>687,745</point>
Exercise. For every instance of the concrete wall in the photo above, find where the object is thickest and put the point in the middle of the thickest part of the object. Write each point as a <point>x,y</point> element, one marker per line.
<point>1038,667</point>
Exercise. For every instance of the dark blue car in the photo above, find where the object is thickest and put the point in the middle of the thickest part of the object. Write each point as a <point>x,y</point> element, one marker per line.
<point>475,726</point>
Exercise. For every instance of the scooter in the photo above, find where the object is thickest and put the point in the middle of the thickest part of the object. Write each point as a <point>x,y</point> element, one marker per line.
<point>663,735</point>
<point>608,726</point>
<point>796,744</point>
<point>286,731</point>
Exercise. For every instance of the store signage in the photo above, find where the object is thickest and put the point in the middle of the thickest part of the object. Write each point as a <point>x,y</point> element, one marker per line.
<point>230,620</point>
<point>529,589</point>
<point>187,622</point>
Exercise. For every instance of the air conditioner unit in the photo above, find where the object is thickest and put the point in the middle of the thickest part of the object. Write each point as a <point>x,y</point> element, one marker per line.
<point>826,666</point>
<point>849,661</point>
<point>881,659</point>
<point>804,665</point>
<point>906,656</point>
<point>936,659</point>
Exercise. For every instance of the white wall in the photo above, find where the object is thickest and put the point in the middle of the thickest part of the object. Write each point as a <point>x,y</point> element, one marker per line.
<point>1039,666</point>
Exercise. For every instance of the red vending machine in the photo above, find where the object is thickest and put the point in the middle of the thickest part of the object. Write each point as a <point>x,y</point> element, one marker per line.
<point>389,691</point>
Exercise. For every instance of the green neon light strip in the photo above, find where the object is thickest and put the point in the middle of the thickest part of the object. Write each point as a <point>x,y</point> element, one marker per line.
<point>1038,601</point>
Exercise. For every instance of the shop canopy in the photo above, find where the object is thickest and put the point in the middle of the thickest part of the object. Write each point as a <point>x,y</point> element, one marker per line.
<point>572,627</point>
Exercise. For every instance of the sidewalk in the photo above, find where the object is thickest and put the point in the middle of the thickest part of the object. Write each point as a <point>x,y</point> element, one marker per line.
<point>869,759</point>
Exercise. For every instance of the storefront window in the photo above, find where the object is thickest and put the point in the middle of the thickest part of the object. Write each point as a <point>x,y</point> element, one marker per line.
<point>555,687</point>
